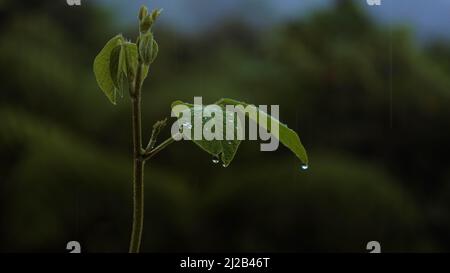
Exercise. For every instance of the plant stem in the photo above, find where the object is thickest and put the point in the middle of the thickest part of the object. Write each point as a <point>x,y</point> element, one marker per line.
<point>139,158</point>
<point>138,165</point>
<point>158,148</point>
<point>138,205</point>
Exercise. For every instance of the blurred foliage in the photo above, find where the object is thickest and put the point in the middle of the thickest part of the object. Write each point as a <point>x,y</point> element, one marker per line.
<point>371,107</point>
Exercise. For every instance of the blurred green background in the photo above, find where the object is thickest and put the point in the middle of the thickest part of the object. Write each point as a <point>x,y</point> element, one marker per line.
<point>370,102</point>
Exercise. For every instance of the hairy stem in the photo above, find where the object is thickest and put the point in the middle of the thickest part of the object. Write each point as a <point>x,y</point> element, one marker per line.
<point>138,165</point>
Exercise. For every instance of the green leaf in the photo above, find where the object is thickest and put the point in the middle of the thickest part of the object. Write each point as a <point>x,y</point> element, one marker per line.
<point>131,59</point>
<point>287,136</point>
<point>116,68</point>
<point>146,47</point>
<point>223,149</point>
<point>226,149</point>
<point>154,51</point>
<point>102,68</point>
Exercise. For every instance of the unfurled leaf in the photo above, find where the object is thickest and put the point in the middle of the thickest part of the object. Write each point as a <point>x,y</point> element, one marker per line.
<point>102,68</point>
<point>225,149</point>
<point>287,136</point>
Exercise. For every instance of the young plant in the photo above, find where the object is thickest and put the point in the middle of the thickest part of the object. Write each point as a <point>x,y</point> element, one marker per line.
<point>122,65</point>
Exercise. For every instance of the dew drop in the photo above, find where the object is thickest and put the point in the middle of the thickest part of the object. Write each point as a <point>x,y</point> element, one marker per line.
<point>215,160</point>
<point>223,165</point>
<point>187,125</point>
<point>304,167</point>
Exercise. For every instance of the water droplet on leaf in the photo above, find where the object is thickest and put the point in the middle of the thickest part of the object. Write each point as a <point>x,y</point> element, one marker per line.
<point>187,125</point>
<point>304,167</point>
<point>215,160</point>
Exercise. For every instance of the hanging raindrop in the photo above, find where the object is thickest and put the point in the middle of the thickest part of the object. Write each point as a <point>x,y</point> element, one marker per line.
<point>215,160</point>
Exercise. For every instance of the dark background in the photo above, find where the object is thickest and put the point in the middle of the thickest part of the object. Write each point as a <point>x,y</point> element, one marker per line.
<point>369,100</point>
